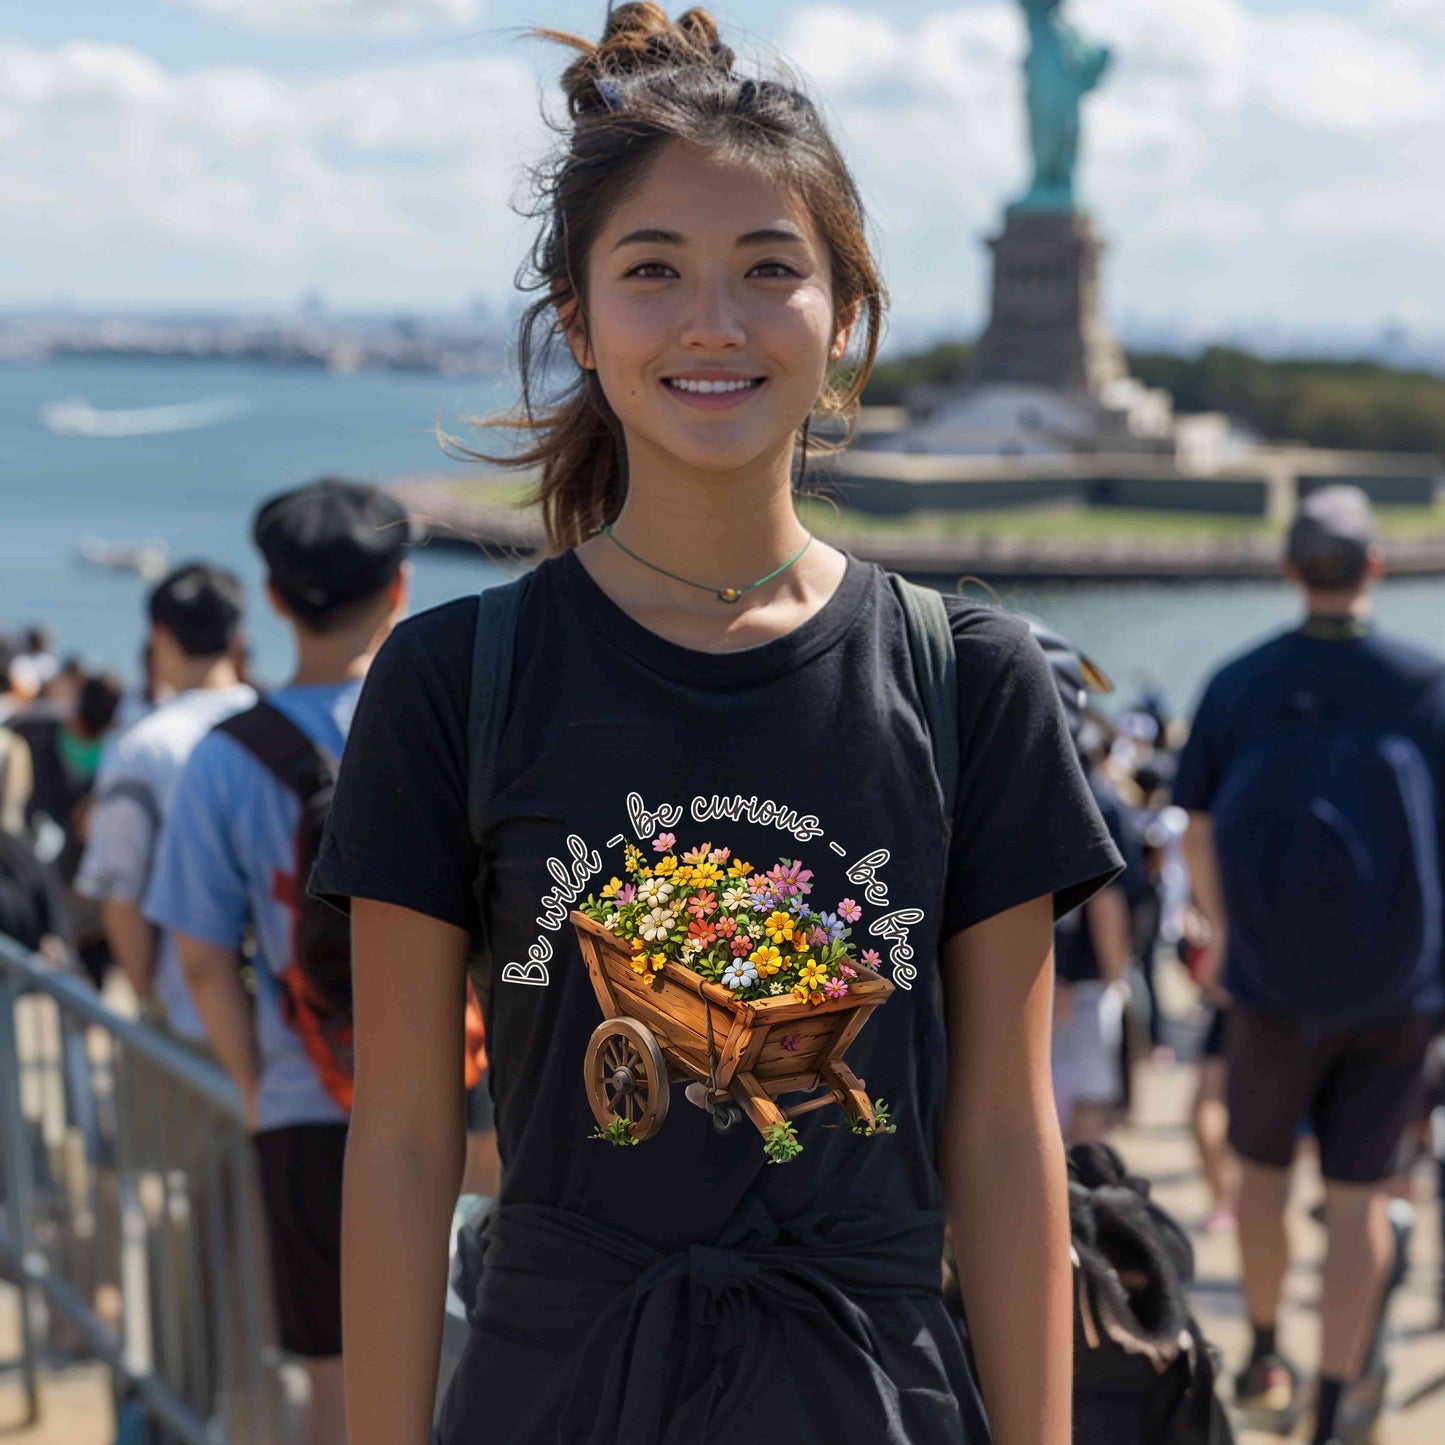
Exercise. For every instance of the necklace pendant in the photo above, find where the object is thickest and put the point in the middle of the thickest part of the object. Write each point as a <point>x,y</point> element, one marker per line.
<point>729,594</point>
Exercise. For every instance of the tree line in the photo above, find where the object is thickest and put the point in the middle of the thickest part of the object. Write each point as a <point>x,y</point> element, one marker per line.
<point>1351,405</point>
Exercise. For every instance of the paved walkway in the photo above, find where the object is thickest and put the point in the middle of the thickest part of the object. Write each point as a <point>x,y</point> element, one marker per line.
<point>76,1408</point>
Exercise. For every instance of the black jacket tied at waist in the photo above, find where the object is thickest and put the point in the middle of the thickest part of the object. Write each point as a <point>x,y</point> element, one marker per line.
<point>820,1329</point>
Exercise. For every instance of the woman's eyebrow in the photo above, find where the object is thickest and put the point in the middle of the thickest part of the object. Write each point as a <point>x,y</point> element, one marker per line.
<point>656,236</point>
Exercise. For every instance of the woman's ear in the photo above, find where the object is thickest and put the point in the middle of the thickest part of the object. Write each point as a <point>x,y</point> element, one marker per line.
<point>574,328</point>
<point>843,330</point>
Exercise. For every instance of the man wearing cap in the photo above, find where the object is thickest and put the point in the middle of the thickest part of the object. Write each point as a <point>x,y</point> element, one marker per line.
<point>334,554</point>
<point>1313,782</point>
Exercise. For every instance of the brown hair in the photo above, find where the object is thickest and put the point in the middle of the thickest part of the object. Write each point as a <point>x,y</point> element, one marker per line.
<point>647,83</point>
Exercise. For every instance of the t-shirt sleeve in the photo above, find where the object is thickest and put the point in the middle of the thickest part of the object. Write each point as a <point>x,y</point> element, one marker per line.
<point>115,867</point>
<point>198,885</point>
<point>398,831</point>
<point>1026,823</point>
<point>1204,759</point>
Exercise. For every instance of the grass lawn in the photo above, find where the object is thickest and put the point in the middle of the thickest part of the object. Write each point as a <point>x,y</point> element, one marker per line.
<point>1045,522</point>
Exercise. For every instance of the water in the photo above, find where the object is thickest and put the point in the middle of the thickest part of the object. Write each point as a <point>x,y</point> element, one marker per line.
<point>196,490</point>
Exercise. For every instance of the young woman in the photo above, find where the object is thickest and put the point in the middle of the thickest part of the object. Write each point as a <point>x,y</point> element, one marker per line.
<point>702,689</point>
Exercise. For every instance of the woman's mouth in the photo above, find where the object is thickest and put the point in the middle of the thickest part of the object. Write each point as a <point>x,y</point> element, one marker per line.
<point>714,393</point>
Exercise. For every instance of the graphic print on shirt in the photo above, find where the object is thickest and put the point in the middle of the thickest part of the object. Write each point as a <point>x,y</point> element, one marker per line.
<point>574,874</point>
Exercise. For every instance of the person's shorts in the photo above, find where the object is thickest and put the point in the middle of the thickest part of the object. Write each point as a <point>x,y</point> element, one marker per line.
<point>1088,1049</point>
<point>301,1168</point>
<point>1358,1089</point>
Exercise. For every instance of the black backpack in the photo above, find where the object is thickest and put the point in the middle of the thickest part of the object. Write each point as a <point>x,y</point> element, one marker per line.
<point>316,982</point>
<point>1326,833</point>
<point>1143,1372</point>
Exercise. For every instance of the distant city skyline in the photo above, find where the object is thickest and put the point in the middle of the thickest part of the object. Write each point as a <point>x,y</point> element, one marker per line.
<point>1260,166</point>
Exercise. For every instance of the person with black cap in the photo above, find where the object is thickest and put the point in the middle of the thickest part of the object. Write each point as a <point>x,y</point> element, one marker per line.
<point>228,862</point>
<point>1313,781</point>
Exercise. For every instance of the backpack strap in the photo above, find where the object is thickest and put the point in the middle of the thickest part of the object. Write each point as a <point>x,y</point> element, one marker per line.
<point>286,752</point>
<point>935,668</point>
<point>493,655</point>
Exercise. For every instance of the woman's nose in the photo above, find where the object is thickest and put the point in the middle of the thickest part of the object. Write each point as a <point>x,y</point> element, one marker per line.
<point>714,320</point>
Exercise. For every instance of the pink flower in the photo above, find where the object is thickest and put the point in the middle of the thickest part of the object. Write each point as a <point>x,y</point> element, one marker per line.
<point>791,1042</point>
<point>626,895</point>
<point>835,988</point>
<point>701,930</point>
<point>719,855</point>
<point>697,855</point>
<point>818,936</point>
<point>726,927</point>
<point>847,970</point>
<point>701,904</point>
<point>742,944</point>
<point>849,910</point>
<point>663,842</point>
<point>870,957</point>
<point>790,878</point>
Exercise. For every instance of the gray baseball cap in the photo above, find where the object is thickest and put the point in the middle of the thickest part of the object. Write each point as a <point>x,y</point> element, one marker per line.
<point>1329,543</point>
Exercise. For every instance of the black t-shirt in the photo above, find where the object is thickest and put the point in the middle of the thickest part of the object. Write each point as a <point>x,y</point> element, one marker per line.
<point>811,748</point>
<point>1075,958</point>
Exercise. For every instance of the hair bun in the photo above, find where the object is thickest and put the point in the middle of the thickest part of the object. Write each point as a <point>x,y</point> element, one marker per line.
<point>639,38</point>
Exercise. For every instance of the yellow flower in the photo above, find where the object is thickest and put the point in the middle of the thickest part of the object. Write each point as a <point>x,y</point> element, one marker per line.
<point>666,865</point>
<point>815,998</point>
<point>643,872</point>
<point>632,857</point>
<point>638,946</point>
<point>705,874</point>
<point>800,939</point>
<point>682,876</point>
<point>779,927</point>
<point>613,888</point>
<point>811,976</point>
<point>739,869</point>
<point>767,958</point>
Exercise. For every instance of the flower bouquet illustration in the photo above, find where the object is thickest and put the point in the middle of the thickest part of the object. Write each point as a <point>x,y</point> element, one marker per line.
<point>729,977</point>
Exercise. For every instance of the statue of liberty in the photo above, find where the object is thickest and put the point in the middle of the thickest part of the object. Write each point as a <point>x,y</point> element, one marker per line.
<point>1062,68</point>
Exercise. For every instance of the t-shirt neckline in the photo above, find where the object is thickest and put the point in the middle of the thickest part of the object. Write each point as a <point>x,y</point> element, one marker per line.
<point>774,658</point>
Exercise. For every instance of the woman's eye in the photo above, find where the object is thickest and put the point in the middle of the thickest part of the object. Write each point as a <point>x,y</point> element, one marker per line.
<point>772,270</point>
<point>652,271</point>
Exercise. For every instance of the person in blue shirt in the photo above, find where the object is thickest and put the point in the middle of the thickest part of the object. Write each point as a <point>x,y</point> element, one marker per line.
<point>227,861</point>
<point>1313,777</point>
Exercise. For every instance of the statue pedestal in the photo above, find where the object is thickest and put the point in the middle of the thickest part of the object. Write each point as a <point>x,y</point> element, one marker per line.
<point>1047,327</point>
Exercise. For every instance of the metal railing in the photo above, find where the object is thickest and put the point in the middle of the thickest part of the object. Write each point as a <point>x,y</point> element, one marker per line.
<point>131,1224</point>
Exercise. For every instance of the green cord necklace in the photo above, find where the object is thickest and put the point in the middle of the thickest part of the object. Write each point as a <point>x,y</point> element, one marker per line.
<point>723,594</point>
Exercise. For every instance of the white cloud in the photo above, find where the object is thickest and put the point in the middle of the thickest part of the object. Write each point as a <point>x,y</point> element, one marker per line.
<point>387,17</point>
<point>413,162</point>
<point>1427,14</point>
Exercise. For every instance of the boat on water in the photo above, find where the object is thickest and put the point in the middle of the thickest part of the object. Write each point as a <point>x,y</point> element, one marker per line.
<point>148,559</point>
<point>77,417</point>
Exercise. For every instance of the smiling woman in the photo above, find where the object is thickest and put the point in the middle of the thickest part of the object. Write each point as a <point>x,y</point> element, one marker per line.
<point>691,653</point>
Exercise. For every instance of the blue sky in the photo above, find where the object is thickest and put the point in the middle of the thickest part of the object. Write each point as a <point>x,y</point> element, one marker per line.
<point>1254,162</point>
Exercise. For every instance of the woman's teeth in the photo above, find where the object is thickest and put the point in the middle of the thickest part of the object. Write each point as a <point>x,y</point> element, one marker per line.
<point>708,388</point>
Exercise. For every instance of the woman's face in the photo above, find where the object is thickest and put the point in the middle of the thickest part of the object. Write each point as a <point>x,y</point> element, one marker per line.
<point>710,315</point>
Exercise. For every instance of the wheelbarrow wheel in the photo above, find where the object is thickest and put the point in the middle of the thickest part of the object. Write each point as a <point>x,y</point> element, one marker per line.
<point>626,1077</point>
<point>726,1117</point>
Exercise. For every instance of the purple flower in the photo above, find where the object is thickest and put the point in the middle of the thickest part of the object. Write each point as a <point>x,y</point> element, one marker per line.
<point>663,842</point>
<point>791,1042</point>
<point>625,895</point>
<point>870,957</point>
<point>790,877</point>
<point>797,907</point>
<point>850,910</point>
<point>817,936</point>
<point>832,924</point>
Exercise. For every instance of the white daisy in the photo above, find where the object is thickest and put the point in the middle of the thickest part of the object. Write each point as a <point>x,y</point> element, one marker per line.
<point>655,926</point>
